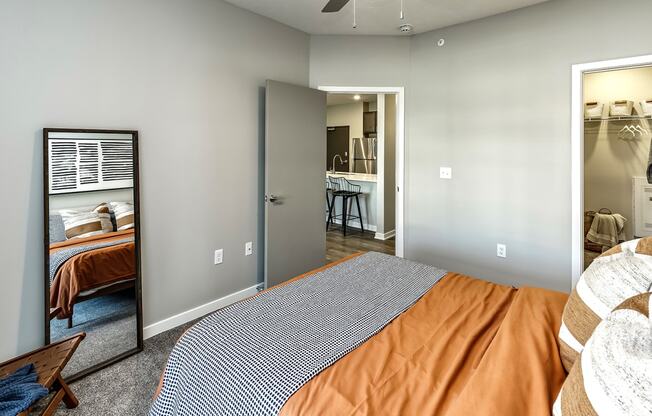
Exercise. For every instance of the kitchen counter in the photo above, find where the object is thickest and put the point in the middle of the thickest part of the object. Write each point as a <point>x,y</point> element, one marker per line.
<point>355,177</point>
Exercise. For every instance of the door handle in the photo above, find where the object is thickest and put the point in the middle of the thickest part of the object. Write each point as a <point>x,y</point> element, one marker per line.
<point>272,198</point>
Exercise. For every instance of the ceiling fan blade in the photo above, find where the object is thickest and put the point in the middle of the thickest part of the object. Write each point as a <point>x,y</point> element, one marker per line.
<point>334,6</point>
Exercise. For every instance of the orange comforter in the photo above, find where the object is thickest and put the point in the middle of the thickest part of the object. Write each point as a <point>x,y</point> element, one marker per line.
<point>91,269</point>
<point>468,347</point>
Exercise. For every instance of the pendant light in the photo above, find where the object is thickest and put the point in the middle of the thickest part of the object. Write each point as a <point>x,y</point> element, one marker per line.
<point>402,15</point>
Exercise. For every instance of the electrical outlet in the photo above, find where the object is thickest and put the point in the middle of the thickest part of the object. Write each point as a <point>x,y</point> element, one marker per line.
<point>249,248</point>
<point>445,173</point>
<point>219,256</point>
<point>501,250</point>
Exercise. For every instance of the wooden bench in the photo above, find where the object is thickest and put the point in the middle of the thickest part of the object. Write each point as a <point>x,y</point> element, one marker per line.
<point>48,362</point>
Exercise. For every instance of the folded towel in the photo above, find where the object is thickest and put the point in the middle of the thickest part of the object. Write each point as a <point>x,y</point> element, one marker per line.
<point>19,390</point>
<point>607,229</point>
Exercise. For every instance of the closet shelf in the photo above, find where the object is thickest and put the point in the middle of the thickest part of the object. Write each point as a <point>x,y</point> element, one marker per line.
<point>616,118</point>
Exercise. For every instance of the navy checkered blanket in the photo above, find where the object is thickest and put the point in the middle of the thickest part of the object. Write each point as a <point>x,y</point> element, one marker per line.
<point>250,357</point>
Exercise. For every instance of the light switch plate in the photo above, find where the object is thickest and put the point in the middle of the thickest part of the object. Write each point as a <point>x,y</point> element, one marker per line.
<point>445,173</point>
<point>219,256</point>
<point>501,250</point>
<point>249,248</point>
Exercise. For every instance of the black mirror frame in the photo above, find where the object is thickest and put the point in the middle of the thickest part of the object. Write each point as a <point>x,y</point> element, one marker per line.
<point>137,240</point>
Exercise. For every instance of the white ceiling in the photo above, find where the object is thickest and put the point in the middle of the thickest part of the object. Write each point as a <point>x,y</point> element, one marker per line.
<point>337,99</point>
<point>378,17</point>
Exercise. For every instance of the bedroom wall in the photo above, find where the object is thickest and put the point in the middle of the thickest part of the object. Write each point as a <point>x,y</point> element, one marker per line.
<point>609,162</point>
<point>493,104</point>
<point>188,75</point>
<point>360,61</point>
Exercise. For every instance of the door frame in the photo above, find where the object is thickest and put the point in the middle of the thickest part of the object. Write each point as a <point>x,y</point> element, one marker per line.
<point>400,151</point>
<point>577,149</point>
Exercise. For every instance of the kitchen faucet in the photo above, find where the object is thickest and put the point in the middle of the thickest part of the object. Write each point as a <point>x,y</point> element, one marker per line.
<point>341,161</point>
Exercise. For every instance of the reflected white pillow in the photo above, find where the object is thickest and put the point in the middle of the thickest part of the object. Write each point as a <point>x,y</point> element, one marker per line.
<point>124,215</point>
<point>86,224</point>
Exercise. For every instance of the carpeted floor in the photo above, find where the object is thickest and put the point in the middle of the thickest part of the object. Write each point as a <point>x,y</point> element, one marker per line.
<point>110,325</point>
<point>127,387</point>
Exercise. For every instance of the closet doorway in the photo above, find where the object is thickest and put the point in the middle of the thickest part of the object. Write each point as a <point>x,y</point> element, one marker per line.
<point>612,132</point>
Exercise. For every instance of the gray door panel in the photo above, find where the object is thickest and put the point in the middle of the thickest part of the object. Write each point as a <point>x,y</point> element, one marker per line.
<point>295,167</point>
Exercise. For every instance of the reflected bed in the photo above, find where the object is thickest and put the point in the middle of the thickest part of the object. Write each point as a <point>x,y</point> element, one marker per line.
<point>83,268</point>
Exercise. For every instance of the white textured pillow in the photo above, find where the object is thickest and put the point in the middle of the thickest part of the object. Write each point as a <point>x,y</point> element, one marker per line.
<point>124,215</point>
<point>613,375</point>
<point>86,224</point>
<point>615,276</point>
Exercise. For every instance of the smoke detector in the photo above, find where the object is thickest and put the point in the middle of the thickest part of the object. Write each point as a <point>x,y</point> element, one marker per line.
<point>406,28</point>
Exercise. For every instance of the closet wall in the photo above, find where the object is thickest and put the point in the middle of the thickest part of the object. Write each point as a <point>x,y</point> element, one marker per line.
<point>609,161</point>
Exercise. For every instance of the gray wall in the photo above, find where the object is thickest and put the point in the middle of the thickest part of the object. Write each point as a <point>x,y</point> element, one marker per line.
<point>360,61</point>
<point>494,104</point>
<point>187,75</point>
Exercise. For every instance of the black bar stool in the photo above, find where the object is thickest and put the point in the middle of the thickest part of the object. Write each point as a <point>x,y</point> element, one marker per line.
<point>344,189</point>
<point>328,196</point>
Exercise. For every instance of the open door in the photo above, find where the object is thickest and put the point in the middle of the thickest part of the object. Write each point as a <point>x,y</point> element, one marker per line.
<point>295,169</point>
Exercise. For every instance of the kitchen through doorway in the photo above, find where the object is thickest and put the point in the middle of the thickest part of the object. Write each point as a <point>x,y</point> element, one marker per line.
<point>362,190</point>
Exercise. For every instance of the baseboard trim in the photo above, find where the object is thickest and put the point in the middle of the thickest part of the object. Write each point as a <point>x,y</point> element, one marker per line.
<point>385,236</point>
<point>197,312</point>
<point>356,224</point>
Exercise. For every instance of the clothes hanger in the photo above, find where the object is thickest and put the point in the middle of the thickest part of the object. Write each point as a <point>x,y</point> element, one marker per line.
<point>622,134</point>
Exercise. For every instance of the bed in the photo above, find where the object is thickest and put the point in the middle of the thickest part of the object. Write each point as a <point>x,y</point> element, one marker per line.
<point>463,347</point>
<point>85,268</point>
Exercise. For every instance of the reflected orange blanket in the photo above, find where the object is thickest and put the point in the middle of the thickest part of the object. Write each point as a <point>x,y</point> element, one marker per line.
<point>91,269</point>
<point>468,347</point>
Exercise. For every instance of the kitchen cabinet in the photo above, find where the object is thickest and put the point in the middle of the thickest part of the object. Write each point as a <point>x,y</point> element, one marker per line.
<point>369,122</point>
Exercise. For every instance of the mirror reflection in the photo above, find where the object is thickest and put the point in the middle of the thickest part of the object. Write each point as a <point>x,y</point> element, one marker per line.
<point>92,254</point>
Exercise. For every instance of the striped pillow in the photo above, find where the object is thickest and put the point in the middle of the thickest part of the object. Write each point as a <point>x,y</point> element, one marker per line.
<point>124,215</point>
<point>620,273</point>
<point>86,224</point>
<point>614,373</point>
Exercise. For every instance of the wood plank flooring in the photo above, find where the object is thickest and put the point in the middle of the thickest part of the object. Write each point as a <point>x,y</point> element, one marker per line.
<point>338,246</point>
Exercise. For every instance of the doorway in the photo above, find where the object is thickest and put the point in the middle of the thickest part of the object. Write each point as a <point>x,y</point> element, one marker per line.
<point>363,129</point>
<point>611,133</point>
<point>376,145</point>
<point>337,144</point>
<point>295,143</point>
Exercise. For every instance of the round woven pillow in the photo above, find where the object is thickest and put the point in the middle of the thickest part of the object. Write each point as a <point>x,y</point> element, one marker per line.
<point>613,375</point>
<point>618,274</point>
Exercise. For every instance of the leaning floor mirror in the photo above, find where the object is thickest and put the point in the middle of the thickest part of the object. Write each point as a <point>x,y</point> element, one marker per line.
<point>92,245</point>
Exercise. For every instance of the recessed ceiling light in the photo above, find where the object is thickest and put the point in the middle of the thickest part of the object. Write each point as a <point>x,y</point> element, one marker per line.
<point>406,28</point>
<point>356,97</point>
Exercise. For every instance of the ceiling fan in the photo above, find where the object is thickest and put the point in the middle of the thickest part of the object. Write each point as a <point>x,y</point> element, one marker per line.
<point>336,5</point>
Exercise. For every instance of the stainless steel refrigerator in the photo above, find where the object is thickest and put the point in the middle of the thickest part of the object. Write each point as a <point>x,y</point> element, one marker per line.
<point>364,155</point>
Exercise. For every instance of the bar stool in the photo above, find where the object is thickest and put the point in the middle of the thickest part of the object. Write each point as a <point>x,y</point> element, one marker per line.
<point>329,190</point>
<point>344,189</point>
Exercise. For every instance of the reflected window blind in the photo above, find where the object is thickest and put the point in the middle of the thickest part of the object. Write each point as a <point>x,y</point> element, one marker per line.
<point>80,165</point>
